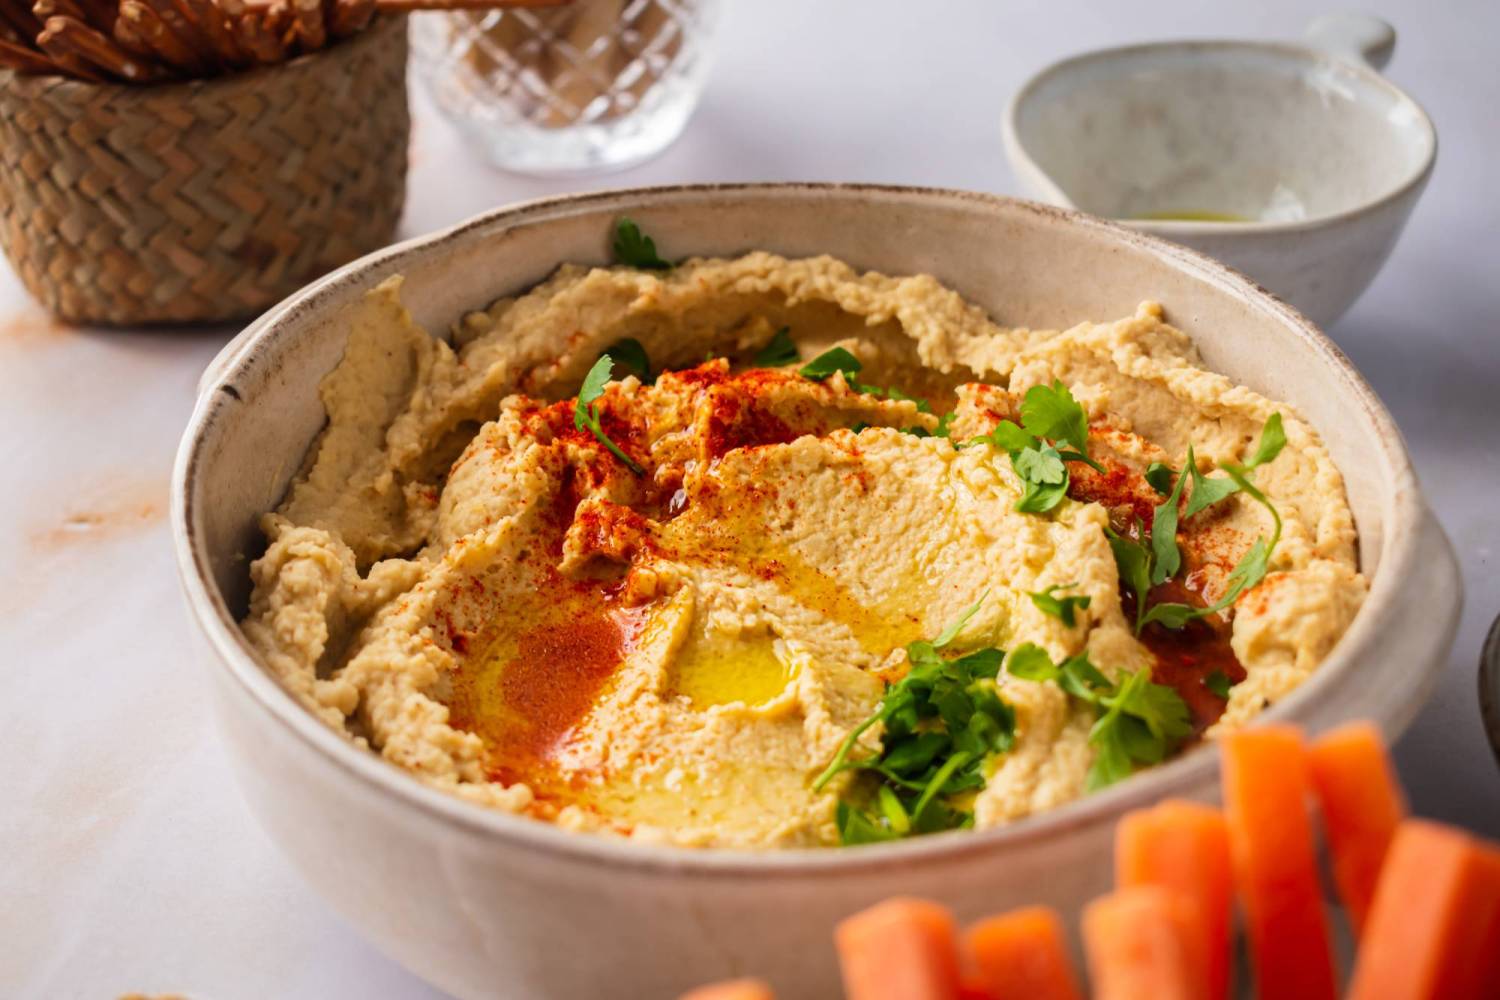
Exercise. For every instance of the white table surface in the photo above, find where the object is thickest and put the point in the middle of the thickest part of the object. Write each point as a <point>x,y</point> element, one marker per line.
<point>127,859</point>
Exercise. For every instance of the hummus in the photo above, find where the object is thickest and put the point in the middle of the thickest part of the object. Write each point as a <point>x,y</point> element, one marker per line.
<point>467,583</point>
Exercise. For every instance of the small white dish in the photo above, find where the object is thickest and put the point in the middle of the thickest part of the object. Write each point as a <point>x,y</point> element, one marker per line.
<point>1296,164</point>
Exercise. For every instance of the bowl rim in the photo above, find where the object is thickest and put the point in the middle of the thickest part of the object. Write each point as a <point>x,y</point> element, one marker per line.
<point>1019,155</point>
<point>1405,537</point>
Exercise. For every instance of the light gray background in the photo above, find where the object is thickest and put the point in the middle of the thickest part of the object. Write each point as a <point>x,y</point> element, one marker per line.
<point>127,861</point>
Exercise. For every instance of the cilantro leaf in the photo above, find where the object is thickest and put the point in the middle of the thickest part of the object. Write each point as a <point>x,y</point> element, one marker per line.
<point>1039,498</point>
<point>1040,465</point>
<point>1046,413</point>
<point>857,827</point>
<point>1140,723</point>
<point>1272,440</point>
<point>1173,616</point>
<point>942,721</point>
<point>586,413</point>
<point>1062,608</point>
<point>1218,683</point>
<point>948,634</point>
<point>1159,477</point>
<point>1030,662</point>
<point>1111,760</point>
<point>1165,557</point>
<point>1206,492</point>
<point>630,354</point>
<point>1133,560</point>
<point>835,359</point>
<point>635,249</point>
<point>778,352</point>
<point>1008,437</point>
<point>1053,413</point>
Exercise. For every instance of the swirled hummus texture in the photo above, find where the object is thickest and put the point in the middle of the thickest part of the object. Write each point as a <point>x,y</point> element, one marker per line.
<point>467,584</point>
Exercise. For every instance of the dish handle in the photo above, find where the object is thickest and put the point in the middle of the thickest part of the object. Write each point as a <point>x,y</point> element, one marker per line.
<point>1352,36</point>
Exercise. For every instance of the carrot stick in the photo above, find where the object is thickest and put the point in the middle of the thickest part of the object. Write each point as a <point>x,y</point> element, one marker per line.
<point>1133,938</point>
<point>737,989</point>
<point>1362,805</point>
<point>1434,929</point>
<point>901,949</point>
<point>1021,956</point>
<point>1184,847</point>
<point>1271,844</point>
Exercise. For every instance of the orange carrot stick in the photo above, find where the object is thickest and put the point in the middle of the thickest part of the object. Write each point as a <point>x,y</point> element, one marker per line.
<point>1021,956</point>
<point>901,949</point>
<point>1362,805</point>
<point>1184,847</point>
<point>1133,938</point>
<point>737,989</point>
<point>1266,796</point>
<point>1434,929</point>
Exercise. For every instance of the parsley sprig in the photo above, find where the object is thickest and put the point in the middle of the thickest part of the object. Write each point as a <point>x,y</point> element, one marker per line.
<point>837,359</point>
<point>778,352</point>
<point>942,721</point>
<point>1062,608</point>
<point>586,410</point>
<point>1138,721</point>
<point>1050,418</point>
<point>634,248</point>
<point>631,355</point>
<point>1143,567</point>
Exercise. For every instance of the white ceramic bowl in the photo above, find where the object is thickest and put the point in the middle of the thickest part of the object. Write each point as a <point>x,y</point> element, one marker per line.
<point>1323,155</point>
<point>486,904</point>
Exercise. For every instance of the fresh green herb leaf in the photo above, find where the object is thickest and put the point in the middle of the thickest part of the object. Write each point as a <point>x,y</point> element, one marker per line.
<point>1133,560</point>
<point>778,352</point>
<point>592,388</point>
<point>862,426</point>
<point>1141,722</point>
<point>857,827</point>
<point>1138,721</point>
<point>1206,492</point>
<point>1039,498</point>
<point>1218,684</point>
<point>1046,413</point>
<point>586,413</point>
<point>1272,440</point>
<point>945,424</point>
<point>950,633</point>
<point>635,249</point>
<point>1062,608</point>
<point>1165,557</point>
<point>1082,679</point>
<point>1173,616</point>
<point>893,811</point>
<point>1159,477</point>
<point>942,721</point>
<point>835,359</point>
<point>1030,662</point>
<point>1040,465</point>
<point>1053,413</point>
<point>1008,437</point>
<point>630,354</point>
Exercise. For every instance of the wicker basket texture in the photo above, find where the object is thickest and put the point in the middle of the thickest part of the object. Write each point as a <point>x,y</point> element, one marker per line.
<point>207,200</point>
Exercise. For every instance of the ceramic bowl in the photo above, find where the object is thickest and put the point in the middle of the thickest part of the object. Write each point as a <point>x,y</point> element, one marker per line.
<point>1489,687</point>
<point>1314,150</point>
<point>487,904</point>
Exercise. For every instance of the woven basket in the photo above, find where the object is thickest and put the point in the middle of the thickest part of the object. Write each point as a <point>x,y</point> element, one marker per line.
<point>206,200</point>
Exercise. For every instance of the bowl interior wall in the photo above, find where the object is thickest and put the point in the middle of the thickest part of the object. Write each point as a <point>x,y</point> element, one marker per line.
<point>1027,265</point>
<point>1260,132</point>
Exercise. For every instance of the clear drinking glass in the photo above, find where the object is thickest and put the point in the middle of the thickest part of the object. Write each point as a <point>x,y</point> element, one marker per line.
<point>586,86</point>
